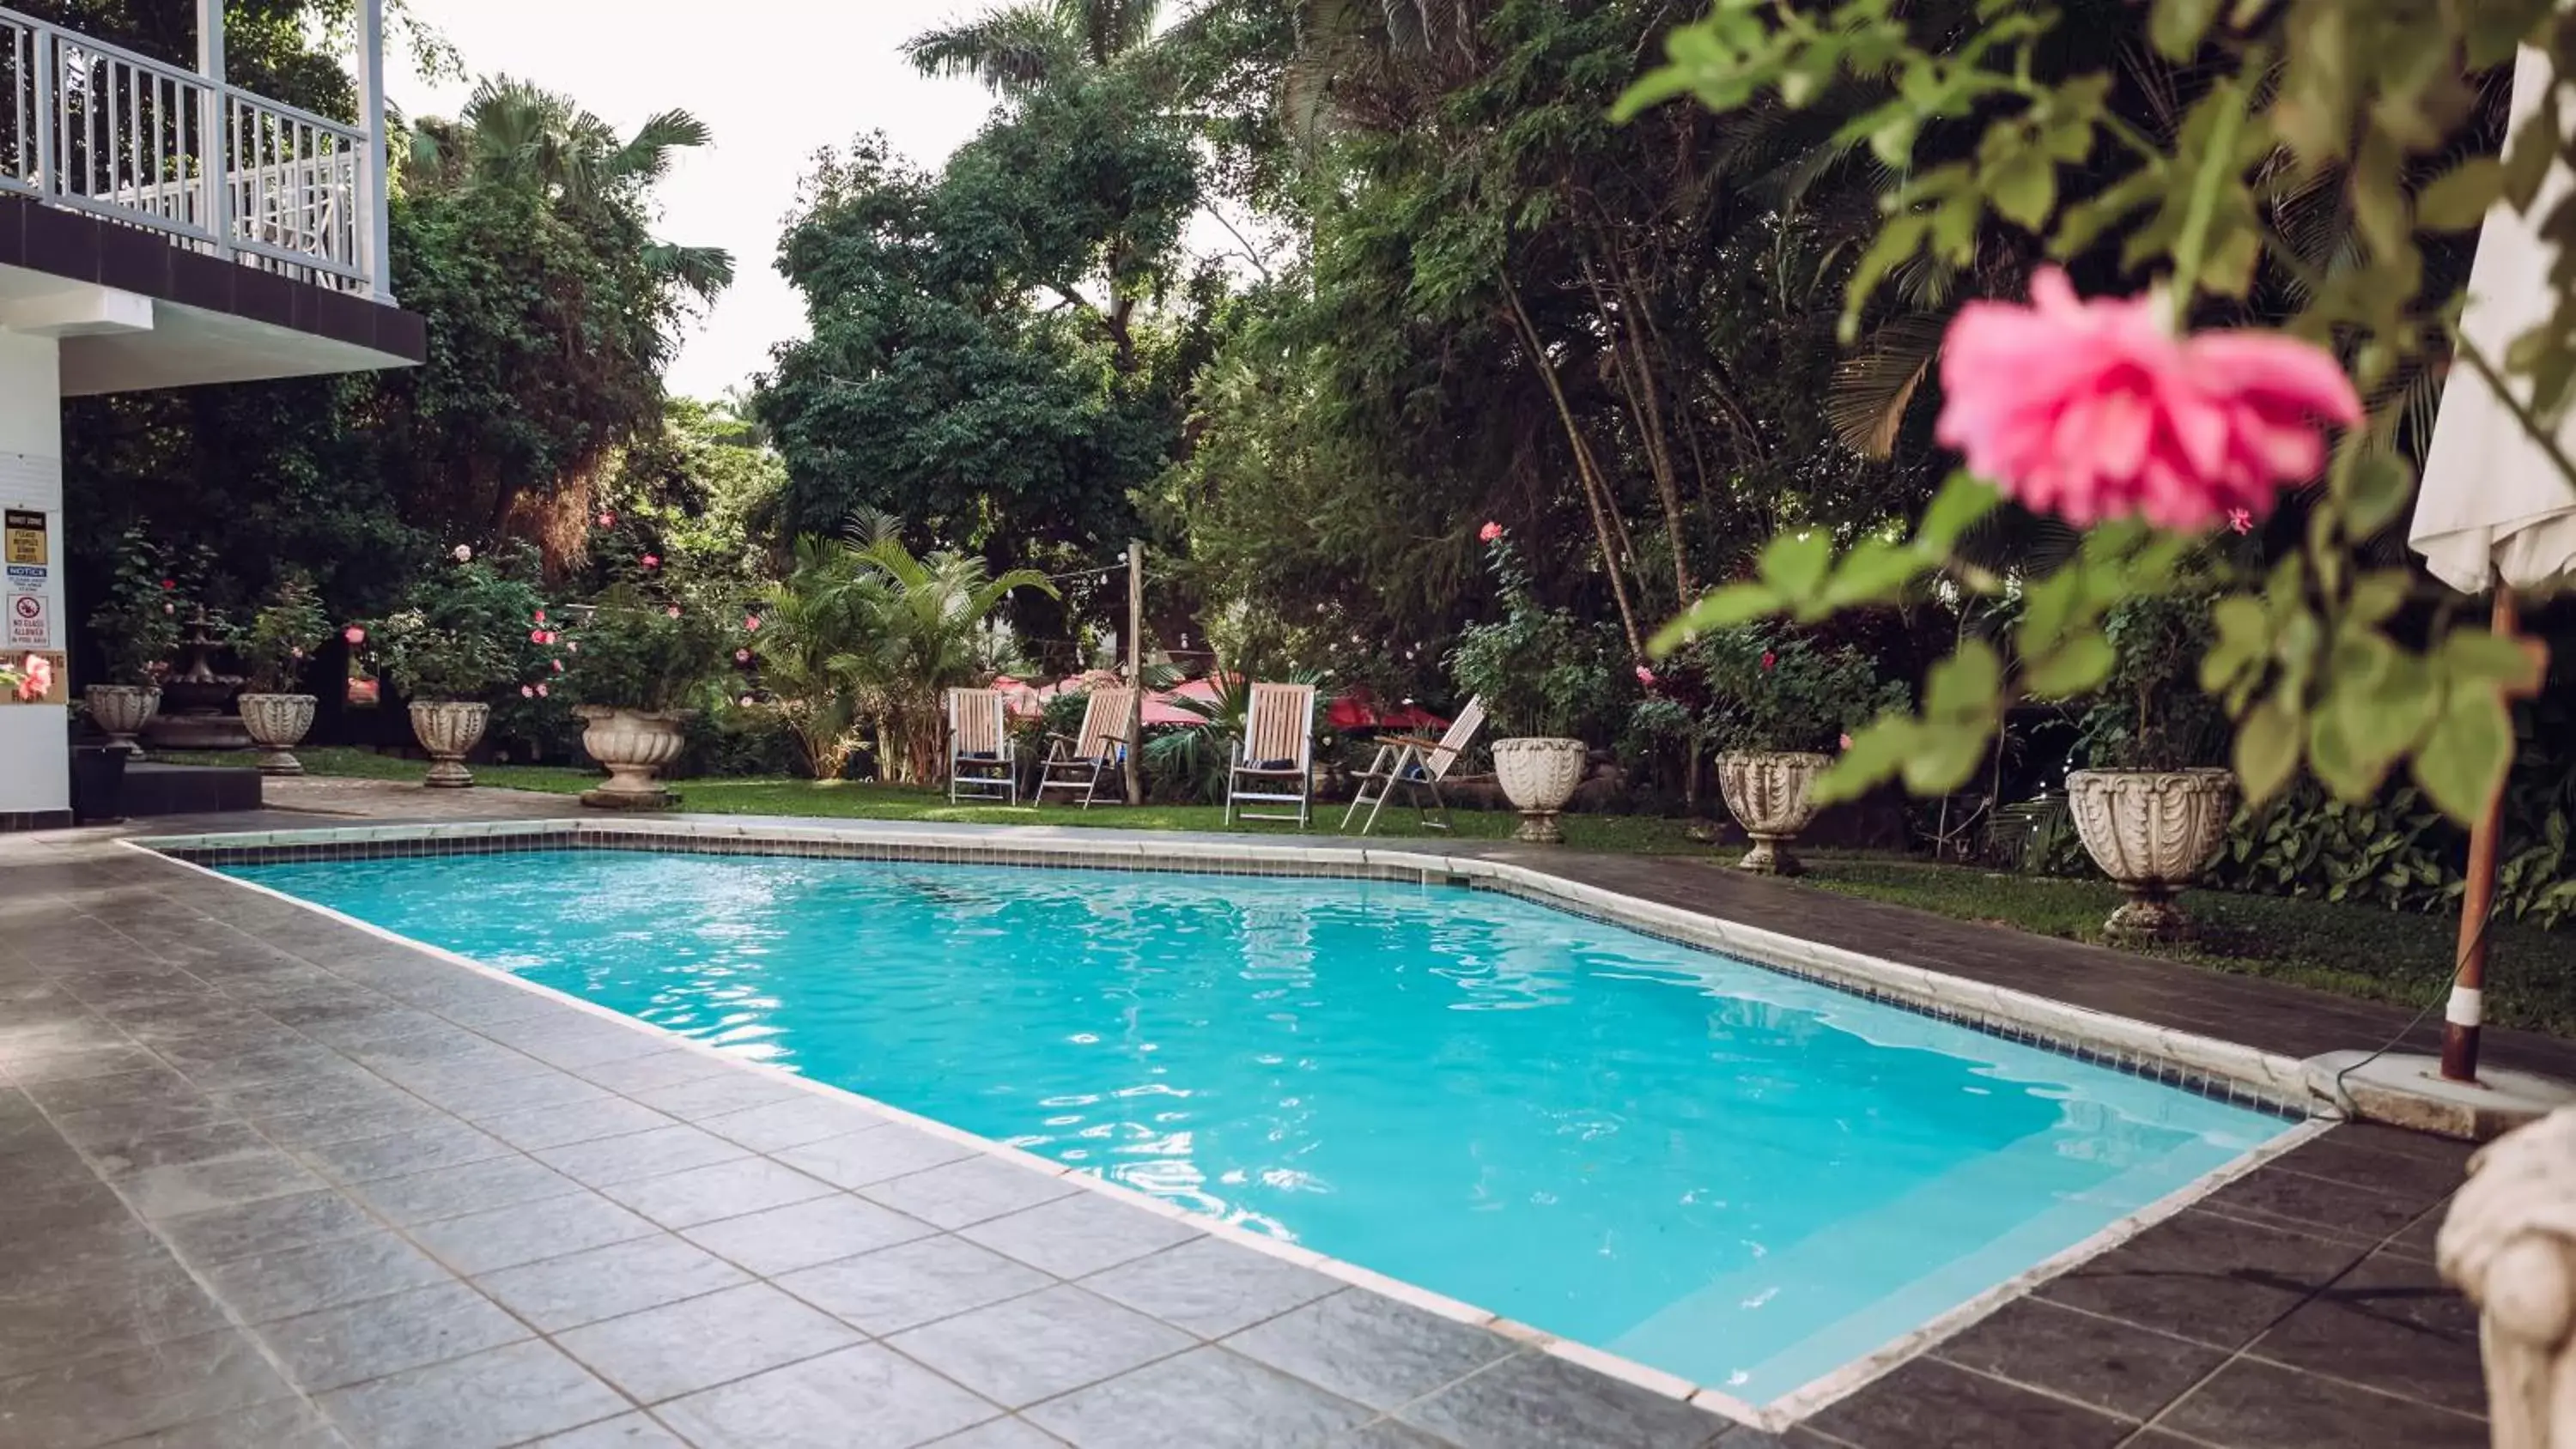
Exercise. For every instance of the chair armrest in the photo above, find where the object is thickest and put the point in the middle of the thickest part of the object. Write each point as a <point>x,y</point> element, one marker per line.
<point>1417,741</point>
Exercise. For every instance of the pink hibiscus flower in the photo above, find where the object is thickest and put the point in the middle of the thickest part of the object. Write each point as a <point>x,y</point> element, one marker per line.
<point>2093,409</point>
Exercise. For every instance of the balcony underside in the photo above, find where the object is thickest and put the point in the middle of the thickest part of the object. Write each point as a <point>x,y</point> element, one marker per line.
<point>208,319</point>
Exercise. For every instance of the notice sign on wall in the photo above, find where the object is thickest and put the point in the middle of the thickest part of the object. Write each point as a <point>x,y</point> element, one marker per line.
<point>30,621</point>
<point>22,537</point>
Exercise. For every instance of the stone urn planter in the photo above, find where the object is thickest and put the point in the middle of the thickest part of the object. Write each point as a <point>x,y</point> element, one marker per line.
<point>1772,794</point>
<point>277,724</point>
<point>121,711</point>
<point>448,729</point>
<point>2151,831</point>
<point>1538,776</point>
<point>632,745</point>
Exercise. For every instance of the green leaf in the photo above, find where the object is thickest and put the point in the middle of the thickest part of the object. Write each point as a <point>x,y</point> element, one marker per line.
<point>2244,642</point>
<point>1963,500</point>
<point>2178,26</point>
<point>1898,238</point>
<point>2337,760</point>
<point>2023,188</point>
<point>2380,486</point>
<point>1876,571</point>
<point>1717,609</point>
<point>2375,596</point>
<point>2459,198</point>
<point>2531,151</point>
<point>1878,750</point>
<point>2506,664</point>
<point>2077,666</point>
<point>1795,564</point>
<point>2267,748</point>
<point>2465,756</point>
<point>1962,704</point>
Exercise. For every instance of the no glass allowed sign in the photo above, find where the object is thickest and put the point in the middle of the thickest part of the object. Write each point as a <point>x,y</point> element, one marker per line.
<point>31,621</point>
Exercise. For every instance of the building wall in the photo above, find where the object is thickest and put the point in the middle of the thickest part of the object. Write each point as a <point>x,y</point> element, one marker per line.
<point>35,766</point>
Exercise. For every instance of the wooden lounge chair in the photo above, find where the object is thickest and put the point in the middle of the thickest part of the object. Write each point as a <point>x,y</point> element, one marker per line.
<point>1416,766</point>
<point>1075,764</point>
<point>980,761</point>
<point>1274,762</point>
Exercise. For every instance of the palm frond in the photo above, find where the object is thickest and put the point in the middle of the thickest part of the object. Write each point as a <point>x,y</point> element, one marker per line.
<point>647,155</point>
<point>1009,49</point>
<point>703,270</point>
<point>1873,387</point>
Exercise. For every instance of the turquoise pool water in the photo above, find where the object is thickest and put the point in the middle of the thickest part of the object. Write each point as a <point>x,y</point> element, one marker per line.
<point>1711,1168</point>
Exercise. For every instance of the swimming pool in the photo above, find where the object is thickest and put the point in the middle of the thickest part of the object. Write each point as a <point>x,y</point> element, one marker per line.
<point>1714,1169</point>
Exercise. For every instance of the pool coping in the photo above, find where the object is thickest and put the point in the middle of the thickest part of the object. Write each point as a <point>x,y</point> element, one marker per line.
<point>2222,1070</point>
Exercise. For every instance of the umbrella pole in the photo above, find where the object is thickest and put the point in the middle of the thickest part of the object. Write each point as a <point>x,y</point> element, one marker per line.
<point>2461,1018</point>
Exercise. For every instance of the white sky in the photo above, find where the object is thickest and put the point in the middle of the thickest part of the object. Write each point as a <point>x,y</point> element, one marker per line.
<point>774,79</point>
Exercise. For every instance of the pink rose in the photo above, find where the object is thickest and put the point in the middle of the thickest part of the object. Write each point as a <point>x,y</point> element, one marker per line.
<point>751,622</point>
<point>168,584</point>
<point>1489,532</point>
<point>572,646</point>
<point>354,634</point>
<point>462,553</point>
<point>652,560</point>
<point>1645,676</point>
<point>673,611</point>
<point>541,691</point>
<point>1846,742</point>
<point>608,520</point>
<point>536,636</point>
<point>742,656</point>
<point>558,666</point>
<point>2093,409</point>
<point>745,701</point>
<point>540,616</point>
<point>1769,659</point>
<point>527,692</point>
<point>169,608</point>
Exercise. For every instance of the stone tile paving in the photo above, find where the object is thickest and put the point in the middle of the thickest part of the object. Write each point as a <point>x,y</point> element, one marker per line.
<point>274,1183</point>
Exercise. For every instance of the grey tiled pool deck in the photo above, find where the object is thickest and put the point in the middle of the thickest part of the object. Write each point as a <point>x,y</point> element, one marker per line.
<point>268,1181</point>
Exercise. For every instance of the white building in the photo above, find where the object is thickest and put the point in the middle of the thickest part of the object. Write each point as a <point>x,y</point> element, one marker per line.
<point>159,228</point>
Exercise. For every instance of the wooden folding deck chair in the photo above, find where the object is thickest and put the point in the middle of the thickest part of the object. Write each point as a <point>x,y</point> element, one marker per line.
<point>1274,762</point>
<point>1076,763</point>
<point>980,761</point>
<point>1416,766</point>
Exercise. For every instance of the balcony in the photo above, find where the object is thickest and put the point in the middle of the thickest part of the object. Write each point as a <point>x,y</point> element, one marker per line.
<point>90,127</point>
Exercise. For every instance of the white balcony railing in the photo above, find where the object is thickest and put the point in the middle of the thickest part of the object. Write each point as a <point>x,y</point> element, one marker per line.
<point>99,129</point>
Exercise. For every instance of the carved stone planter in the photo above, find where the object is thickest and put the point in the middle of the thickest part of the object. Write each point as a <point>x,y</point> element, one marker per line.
<point>2508,1244</point>
<point>278,723</point>
<point>121,711</point>
<point>1538,776</point>
<point>632,745</point>
<point>448,729</point>
<point>2151,831</point>
<point>1771,793</point>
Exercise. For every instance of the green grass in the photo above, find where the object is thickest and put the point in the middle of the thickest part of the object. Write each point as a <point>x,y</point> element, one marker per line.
<point>2358,951</point>
<point>855,800</point>
<point>2352,951</point>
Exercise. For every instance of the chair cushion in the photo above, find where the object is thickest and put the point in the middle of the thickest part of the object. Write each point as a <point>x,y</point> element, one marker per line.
<point>1274,764</point>
<point>978,755</point>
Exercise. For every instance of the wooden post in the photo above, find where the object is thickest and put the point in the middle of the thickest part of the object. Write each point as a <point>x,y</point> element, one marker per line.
<point>2466,1010</point>
<point>214,126</point>
<point>1136,672</point>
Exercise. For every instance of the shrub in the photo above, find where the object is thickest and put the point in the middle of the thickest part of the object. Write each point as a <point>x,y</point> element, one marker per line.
<point>646,650</point>
<point>1540,670</point>
<point>137,626</point>
<point>1769,688</point>
<point>283,635</point>
<point>468,629</point>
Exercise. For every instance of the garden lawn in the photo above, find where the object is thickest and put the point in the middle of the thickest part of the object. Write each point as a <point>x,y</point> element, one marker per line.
<point>2357,951</point>
<point>857,800</point>
<point>2362,951</point>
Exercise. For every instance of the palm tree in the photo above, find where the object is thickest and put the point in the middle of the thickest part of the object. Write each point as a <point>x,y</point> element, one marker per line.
<point>932,626</point>
<point>1017,47</point>
<point>512,134</point>
<point>816,644</point>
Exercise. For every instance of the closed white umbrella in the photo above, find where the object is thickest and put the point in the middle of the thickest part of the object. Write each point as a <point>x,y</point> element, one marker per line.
<point>2495,513</point>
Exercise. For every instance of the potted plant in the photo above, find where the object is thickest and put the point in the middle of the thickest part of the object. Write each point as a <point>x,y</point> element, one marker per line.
<point>1779,705</point>
<point>2152,803</point>
<point>137,629</point>
<point>275,649</point>
<point>642,665</point>
<point>454,646</point>
<point>1541,673</point>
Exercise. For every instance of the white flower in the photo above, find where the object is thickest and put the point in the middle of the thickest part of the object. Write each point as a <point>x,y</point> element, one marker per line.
<point>463,554</point>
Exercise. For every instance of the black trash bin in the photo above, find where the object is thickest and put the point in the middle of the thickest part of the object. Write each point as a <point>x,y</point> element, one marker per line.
<point>98,784</point>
